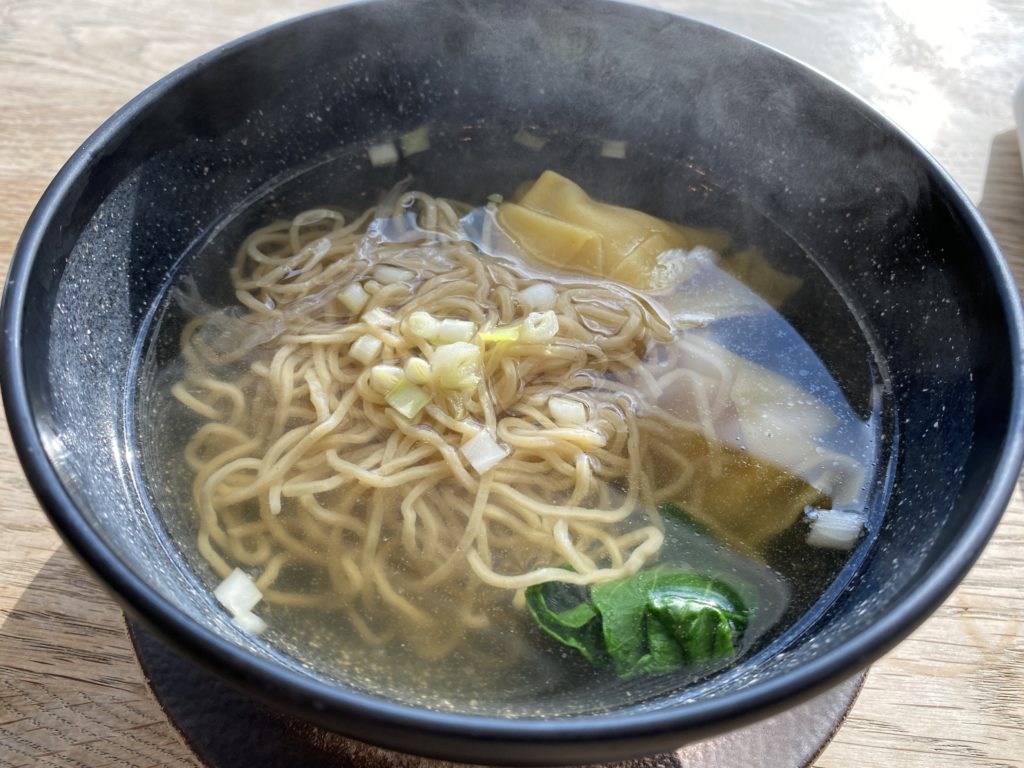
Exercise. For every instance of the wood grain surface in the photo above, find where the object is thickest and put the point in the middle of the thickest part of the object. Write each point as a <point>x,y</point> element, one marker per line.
<point>70,689</point>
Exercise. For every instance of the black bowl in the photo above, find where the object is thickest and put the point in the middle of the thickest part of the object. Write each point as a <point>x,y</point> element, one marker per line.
<point>708,117</point>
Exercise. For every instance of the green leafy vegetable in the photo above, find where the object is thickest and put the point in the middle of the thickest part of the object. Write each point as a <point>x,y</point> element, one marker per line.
<point>650,623</point>
<point>674,511</point>
<point>576,625</point>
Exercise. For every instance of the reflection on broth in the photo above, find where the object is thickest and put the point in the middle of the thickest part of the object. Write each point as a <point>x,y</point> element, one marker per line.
<point>549,436</point>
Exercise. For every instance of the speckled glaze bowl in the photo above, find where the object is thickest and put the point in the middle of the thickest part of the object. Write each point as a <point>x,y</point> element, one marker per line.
<point>699,109</point>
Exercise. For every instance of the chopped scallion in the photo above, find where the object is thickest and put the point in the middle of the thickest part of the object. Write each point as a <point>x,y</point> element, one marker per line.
<point>566,412</point>
<point>354,297</point>
<point>384,378</point>
<point>416,141</point>
<point>616,150</point>
<point>528,140</point>
<point>424,325</point>
<point>457,366</point>
<point>505,333</point>
<point>250,622</point>
<point>387,274</point>
<point>483,452</point>
<point>379,318</point>
<point>382,154</point>
<point>365,349</point>
<point>408,399</point>
<point>539,327</point>
<point>451,330</point>
<point>834,528</point>
<point>538,297</point>
<point>417,370</point>
<point>238,592</point>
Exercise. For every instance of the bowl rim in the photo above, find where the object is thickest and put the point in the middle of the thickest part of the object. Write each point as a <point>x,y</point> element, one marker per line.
<point>585,738</point>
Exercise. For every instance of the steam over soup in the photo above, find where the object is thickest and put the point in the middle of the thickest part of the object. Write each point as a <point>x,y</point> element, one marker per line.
<point>517,441</point>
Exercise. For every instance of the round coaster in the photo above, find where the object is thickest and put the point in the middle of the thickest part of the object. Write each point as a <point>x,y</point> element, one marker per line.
<point>226,729</point>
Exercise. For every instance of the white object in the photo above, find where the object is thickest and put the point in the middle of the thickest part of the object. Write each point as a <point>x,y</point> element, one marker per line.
<point>416,141</point>
<point>387,274</point>
<point>457,366</point>
<point>354,297</point>
<point>407,398</point>
<point>616,150</point>
<point>250,622</point>
<point>528,140</point>
<point>238,592</point>
<point>566,412</point>
<point>417,370</point>
<point>424,325</point>
<point>379,318</point>
<point>383,154</point>
<point>538,297</point>
<point>834,528</point>
<point>365,349</point>
<point>539,326</point>
<point>483,452</point>
<point>451,330</point>
<point>384,378</point>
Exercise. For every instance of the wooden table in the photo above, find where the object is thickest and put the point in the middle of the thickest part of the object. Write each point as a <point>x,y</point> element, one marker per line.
<point>71,693</point>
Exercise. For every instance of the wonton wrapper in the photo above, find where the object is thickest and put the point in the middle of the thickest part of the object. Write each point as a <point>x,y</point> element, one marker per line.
<point>767,460</point>
<point>742,500</point>
<point>558,224</point>
<point>762,463</point>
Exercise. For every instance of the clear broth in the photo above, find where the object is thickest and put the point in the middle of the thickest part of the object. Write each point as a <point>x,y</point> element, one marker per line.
<point>791,587</point>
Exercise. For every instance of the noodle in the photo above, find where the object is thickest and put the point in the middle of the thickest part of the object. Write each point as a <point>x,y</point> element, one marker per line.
<point>301,461</point>
<point>308,475</point>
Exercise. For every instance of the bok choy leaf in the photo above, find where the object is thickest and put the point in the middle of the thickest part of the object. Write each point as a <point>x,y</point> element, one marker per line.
<point>656,621</point>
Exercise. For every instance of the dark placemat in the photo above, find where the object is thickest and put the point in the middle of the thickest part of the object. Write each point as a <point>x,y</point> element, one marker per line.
<point>227,729</point>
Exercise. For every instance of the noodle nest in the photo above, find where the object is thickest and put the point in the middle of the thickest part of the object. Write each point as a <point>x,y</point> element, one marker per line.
<point>306,476</point>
